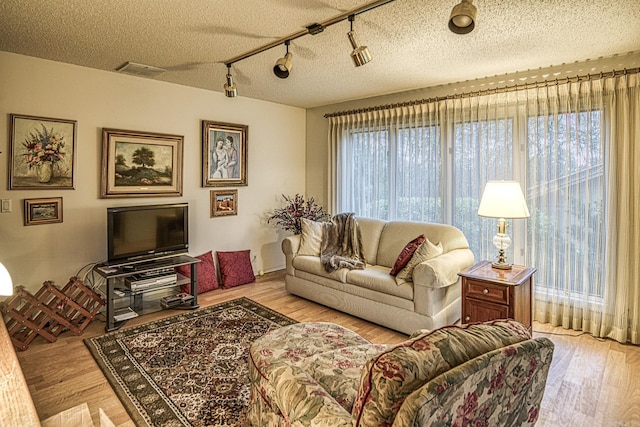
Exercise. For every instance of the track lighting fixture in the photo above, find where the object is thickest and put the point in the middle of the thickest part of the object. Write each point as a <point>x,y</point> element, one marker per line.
<point>283,65</point>
<point>230,88</point>
<point>282,68</point>
<point>360,54</point>
<point>463,17</point>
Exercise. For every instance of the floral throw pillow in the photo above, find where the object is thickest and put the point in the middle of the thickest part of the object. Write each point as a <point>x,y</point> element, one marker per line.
<point>406,254</point>
<point>235,268</point>
<point>207,279</point>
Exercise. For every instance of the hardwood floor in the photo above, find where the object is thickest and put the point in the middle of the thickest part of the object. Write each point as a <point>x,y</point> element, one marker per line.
<point>591,382</point>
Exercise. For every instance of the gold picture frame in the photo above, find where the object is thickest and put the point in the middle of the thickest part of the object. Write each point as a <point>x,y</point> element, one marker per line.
<point>42,153</point>
<point>141,164</point>
<point>42,211</point>
<point>224,154</point>
<point>224,202</point>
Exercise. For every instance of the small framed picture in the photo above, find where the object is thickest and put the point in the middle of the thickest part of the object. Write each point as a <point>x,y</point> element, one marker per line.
<point>224,154</point>
<point>141,164</point>
<point>224,202</point>
<point>42,153</point>
<point>42,211</point>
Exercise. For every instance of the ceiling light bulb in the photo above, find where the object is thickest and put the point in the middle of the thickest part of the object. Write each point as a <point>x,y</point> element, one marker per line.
<point>230,88</point>
<point>463,17</point>
<point>360,54</point>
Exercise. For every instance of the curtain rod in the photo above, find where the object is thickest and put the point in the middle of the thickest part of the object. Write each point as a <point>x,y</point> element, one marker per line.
<point>504,89</point>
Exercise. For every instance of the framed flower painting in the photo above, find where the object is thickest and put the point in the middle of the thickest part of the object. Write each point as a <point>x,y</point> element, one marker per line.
<point>42,153</point>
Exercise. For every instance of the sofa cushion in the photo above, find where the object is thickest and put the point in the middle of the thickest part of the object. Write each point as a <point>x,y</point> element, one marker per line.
<point>338,371</point>
<point>396,234</point>
<point>424,252</point>
<point>370,230</point>
<point>394,374</point>
<point>312,265</point>
<point>406,254</point>
<point>377,279</point>
<point>311,237</point>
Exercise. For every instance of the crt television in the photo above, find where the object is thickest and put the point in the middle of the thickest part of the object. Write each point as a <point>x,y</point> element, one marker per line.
<point>140,232</point>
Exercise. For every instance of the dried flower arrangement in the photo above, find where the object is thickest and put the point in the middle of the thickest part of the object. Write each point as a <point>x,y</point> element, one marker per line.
<point>289,217</point>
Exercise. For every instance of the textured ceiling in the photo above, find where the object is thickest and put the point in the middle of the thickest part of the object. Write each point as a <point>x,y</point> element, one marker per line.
<point>409,40</point>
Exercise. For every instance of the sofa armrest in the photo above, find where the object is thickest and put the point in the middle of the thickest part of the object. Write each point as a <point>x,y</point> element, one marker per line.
<point>508,385</point>
<point>290,246</point>
<point>442,270</point>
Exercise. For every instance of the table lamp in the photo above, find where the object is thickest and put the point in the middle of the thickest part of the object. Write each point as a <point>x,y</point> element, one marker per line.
<point>502,199</point>
<point>6,285</point>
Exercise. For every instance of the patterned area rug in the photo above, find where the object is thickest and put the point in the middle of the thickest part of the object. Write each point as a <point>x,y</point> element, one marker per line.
<point>189,369</point>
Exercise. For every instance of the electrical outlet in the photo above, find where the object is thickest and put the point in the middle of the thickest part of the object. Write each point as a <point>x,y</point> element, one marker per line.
<point>6,206</point>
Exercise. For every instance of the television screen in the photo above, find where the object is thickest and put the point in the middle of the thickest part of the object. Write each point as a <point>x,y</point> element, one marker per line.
<point>137,232</point>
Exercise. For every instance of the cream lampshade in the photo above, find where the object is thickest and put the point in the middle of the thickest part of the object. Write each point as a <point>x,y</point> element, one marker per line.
<point>6,285</point>
<point>502,199</point>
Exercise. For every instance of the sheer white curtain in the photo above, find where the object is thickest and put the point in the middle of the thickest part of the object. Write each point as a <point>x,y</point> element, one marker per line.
<point>575,149</point>
<point>387,163</point>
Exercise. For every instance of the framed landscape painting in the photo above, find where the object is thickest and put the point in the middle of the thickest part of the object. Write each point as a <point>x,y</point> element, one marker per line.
<point>42,153</point>
<point>141,164</point>
<point>42,211</point>
<point>224,154</point>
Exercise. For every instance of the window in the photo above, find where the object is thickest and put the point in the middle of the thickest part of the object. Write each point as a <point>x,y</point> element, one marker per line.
<point>565,159</point>
<point>401,173</point>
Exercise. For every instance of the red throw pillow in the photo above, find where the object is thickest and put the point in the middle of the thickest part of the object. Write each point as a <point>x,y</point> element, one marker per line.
<point>207,279</point>
<point>235,268</point>
<point>406,254</point>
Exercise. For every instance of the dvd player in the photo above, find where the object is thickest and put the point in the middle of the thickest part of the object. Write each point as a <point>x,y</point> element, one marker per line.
<point>144,282</point>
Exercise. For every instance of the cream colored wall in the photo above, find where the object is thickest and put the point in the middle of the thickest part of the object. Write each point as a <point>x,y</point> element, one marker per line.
<point>318,126</point>
<point>98,99</point>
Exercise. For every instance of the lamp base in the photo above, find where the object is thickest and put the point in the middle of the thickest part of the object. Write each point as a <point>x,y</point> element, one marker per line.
<point>501,266</point>
<point>502,260</point>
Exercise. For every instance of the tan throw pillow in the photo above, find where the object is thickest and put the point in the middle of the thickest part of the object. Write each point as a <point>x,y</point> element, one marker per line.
<point>425,251</point>
<point>311,238</point>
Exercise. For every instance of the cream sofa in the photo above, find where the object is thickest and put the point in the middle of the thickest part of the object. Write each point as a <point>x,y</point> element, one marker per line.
<point>430,301</point>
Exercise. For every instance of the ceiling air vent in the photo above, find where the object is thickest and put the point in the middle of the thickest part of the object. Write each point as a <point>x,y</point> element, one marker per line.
<point>140,70</point>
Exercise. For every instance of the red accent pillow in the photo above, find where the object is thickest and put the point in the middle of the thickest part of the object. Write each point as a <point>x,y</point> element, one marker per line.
<point>207,279</point>
<point>406,254</point>
<point>235,268</point>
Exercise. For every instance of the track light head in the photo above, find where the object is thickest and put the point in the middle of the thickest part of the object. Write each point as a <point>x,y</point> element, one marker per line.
<point>283,65</point>
<point>230,88</point>
<point>463,17</point>
<point>360,54</point>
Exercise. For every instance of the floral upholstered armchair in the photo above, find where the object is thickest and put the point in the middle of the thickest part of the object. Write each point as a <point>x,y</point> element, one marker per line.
<point>320,374</point>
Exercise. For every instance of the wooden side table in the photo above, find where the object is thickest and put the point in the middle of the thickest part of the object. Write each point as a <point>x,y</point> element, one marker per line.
<point>489,293</point>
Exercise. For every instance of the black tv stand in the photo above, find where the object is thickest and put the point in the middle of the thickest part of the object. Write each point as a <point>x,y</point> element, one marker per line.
<point>123,304</point>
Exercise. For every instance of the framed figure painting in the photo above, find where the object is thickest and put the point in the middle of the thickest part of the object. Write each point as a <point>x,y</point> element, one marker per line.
<point>141,164</point>
<point>224,154</point>
<point>42,153</point>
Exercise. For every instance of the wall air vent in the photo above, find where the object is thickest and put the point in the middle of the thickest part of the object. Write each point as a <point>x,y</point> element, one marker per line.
<point>140,70</point>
